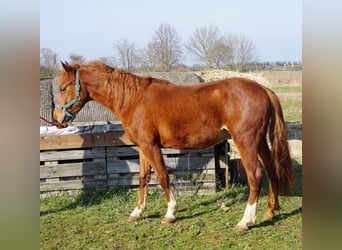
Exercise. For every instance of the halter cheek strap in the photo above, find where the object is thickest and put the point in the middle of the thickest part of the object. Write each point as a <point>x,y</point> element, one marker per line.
<point>77,99</point>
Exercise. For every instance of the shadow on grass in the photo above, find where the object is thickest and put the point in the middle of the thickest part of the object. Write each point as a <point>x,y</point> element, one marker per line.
<point>277,218</point>
<point>239,193</point>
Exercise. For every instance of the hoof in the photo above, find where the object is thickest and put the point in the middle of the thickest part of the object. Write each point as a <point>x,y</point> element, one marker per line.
<point>133,218</point>
<point>241,228</point>
<point>168,220</point>
<point>268,215</point>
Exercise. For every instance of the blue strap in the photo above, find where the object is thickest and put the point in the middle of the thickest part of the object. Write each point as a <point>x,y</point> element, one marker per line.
<point>72,102</point>
<point>78,85</point>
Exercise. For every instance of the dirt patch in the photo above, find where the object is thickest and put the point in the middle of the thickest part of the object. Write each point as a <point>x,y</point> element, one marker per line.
<point>290,97</point>
<point>283,77</point>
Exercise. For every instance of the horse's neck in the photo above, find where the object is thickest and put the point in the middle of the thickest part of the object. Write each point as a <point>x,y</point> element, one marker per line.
<point>117,92</point>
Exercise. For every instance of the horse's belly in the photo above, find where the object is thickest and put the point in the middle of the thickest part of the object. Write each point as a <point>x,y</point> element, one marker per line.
<point>198,140</point>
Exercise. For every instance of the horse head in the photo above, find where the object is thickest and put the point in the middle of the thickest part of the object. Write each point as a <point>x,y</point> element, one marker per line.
<point>71,95</point>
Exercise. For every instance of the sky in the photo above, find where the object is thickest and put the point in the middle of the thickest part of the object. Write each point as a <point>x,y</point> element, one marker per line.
<point>90,28</point>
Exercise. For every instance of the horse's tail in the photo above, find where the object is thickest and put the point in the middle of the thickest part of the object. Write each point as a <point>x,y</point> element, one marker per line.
<point>279,146</point>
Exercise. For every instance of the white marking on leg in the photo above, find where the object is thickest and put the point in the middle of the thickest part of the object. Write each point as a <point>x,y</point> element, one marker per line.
<point>171,209</point>
<point>248,217</point>
<point>138,212</point>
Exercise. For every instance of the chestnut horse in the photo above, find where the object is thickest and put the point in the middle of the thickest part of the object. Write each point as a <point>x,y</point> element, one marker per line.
<point>157,114</point>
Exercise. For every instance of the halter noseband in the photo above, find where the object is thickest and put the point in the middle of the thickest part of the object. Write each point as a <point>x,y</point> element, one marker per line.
<point>77,99</point>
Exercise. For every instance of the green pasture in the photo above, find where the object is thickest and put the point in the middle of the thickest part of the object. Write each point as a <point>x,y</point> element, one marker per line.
<point>291,101</point>
<point>98,220</point>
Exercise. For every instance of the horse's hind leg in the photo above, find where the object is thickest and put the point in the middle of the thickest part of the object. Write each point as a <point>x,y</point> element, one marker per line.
<point>144,179</point>
<point>249,158</point>
<point>273,202</point>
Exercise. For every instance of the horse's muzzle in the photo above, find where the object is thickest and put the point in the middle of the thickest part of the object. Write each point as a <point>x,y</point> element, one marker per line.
<point>60,118</point>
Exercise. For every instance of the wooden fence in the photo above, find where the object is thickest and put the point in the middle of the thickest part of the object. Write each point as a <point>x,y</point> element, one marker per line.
<point>106,160</point>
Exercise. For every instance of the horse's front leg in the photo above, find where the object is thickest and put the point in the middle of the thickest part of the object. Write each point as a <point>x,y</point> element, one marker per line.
<point>144,179</point>
<point>154,156</point>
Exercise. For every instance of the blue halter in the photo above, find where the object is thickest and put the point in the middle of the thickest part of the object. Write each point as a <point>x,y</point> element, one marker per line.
<point>77,99</point>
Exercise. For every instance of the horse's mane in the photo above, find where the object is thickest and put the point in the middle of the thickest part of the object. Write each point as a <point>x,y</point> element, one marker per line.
<point>98,67</point>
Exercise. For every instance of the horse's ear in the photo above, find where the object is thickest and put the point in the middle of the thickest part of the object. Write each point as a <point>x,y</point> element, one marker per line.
<point>66,66</point>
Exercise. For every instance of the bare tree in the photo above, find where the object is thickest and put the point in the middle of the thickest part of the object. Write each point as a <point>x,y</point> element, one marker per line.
<point>126,53</point>
<point>165,44</point>
<point>48,57</point>
<point>243,52</point>
<point>229,42</point>
<point>76,58</point>
<point>203,45</point>
<point>110,61</point>
<point>149,57</point>
<point>163,52</point>
<point>223,53</point>
<point>48,63</point>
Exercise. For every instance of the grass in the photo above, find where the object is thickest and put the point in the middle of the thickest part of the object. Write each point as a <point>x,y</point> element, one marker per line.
<point>291,101</point>
<point>287,89</point>
<point>98,220</point>
<point>292,111</point>
<point>288,86</point>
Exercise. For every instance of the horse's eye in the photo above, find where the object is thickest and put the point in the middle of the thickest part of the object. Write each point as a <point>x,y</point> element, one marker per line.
<point>61,89</point>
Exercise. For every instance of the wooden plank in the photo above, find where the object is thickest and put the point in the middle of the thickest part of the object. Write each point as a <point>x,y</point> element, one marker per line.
<point>186,151</point>
<point>191,163</point>
<point>52,180</point>
<point>167,152</point>
<point>192,174</point>
<point>114,138</point>
<point>120,166</point>
<point>96,152</point>
<point>123,151</point>
<point>195,165</point>
<point>71,185</point>
<point>73,169</point>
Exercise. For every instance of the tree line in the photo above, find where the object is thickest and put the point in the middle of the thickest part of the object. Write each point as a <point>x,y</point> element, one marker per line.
<point>206,47</point>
